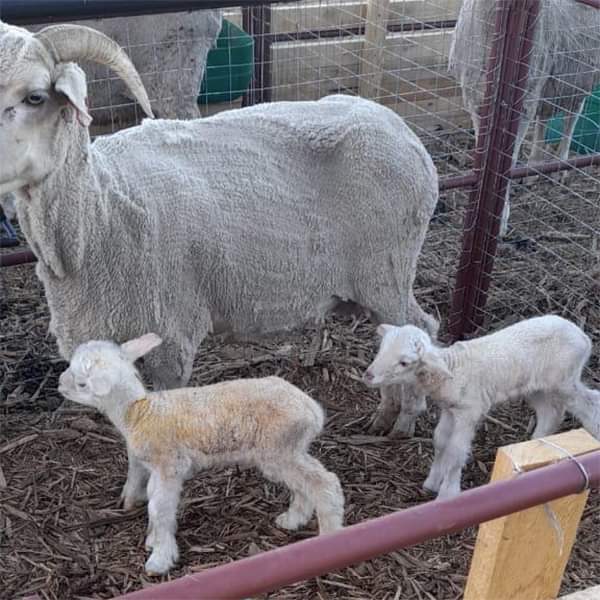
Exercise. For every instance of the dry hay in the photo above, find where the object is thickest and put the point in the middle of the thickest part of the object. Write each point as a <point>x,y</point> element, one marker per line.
<point>62,467</point>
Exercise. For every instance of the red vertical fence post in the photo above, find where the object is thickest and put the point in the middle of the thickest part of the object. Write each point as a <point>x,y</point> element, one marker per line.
<point>507,72</point>
<point>256,21</point>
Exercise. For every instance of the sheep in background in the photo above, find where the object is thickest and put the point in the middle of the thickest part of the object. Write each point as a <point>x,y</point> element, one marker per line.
<point>266,423</point>
<point>169,52</point>
<point>249,222</point>
<point>540,359</point>
<point>564,68</point>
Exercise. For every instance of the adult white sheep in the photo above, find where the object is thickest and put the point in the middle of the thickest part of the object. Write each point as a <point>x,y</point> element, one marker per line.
<point>266,423</point>
<point>540,359</point>
<point>251,221</point>
<point>564,67</point>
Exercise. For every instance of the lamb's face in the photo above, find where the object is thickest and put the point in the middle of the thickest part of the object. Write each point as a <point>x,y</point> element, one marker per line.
<point>97,368</point>
<point>399,355</point>
<point>34,106</point>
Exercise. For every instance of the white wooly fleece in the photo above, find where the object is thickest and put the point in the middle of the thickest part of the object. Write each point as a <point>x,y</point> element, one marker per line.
<point>266,423</point>
<point>564,67</point>
<point>564,63</point>
<point>169,52</point>
<point>252,221</point>
<point>540,359</point>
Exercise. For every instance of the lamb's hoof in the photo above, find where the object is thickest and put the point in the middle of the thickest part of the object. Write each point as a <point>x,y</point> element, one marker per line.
<point>431,486</point>
<point>290,520</point>
<point>160,563</point>
<point>129,503</point>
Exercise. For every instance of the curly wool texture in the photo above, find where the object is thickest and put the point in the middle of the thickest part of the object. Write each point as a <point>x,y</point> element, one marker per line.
<point>252,221</point>
<point>564,65</point>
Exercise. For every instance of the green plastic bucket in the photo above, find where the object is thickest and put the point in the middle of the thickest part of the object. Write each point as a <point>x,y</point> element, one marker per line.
<point>586,137</point>
<point>229,66</point>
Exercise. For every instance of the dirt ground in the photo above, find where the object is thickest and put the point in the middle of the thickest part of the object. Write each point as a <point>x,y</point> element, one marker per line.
<point>62,466</point>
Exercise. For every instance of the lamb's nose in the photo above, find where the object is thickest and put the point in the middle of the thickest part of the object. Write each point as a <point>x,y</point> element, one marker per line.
<point>368,376</point>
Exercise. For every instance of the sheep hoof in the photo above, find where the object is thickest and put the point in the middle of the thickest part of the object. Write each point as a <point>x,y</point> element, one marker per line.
<point>290,520</point>
<point>379,426</point>
<point>159,563</point>
<point>406,430</point>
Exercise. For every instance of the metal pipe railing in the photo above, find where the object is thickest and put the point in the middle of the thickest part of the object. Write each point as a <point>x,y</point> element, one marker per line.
<point>303,560</point>
<point>25,12</point>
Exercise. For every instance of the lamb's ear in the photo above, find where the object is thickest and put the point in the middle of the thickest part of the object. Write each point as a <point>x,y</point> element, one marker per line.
<point>71,82</point>
<point>433,370</point>
<point>100,386</point>
<point>136,348</point>
<point>383,329</point>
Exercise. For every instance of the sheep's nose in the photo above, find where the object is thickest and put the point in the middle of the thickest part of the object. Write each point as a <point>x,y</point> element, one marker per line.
<point>368,375</point>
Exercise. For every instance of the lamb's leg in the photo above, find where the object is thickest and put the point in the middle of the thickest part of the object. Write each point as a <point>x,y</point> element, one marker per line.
<point>388,409</point>
<point>412,405</point>
<point>134,490</point>
<point>162,515</point>
<point>549,411</point>
<point>440,438</point>
<point>456,453</point>
<point>313,487</point>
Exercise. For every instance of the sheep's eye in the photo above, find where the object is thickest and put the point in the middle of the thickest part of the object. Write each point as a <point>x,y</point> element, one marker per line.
<point>35,99</point>
<point>403,363</point>
<point>81,385</point>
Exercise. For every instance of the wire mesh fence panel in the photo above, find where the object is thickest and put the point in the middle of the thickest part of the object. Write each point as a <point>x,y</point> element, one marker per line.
<point>507,95</point>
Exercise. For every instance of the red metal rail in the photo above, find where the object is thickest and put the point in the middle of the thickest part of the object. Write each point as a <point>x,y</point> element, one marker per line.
<point>297,562</point>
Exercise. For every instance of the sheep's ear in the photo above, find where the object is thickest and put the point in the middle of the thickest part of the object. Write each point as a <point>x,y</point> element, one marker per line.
<point>136,348</point>
<point>433,371</point>
<point>383,329</point>
<point>100,386</point>
<point>71,82</point>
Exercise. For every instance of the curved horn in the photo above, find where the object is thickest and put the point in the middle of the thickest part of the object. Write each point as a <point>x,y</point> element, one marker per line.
<point>78,43</point>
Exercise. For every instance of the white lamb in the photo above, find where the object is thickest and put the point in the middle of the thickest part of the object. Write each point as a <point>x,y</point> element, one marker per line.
<point>267,423</point>
<point>540,359</point>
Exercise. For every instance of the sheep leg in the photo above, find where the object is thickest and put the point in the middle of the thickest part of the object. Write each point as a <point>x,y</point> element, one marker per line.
<point>455,454</point>
<point>413,404</point>
<point>314,487</point>
<point>440,438</point>
<point>170,365</point>
<point>570,120</point>
<point>164,496</point>
<point>134,490</point>
<point>549,412</point>
<point>523,125</point>
<point>388,409</point>
<point>537,148</point>
<point>418,317</point>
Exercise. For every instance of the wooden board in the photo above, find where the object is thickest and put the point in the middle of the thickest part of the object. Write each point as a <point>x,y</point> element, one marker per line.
<point>523,556</point>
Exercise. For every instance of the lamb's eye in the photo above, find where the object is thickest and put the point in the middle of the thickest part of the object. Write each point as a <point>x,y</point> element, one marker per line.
<point>403,363</point>
<point>35,98</point>
<point>81,385</point>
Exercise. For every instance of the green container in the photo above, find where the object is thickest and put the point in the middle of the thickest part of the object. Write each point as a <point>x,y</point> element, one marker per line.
<point>229,66</point>
<point>586,137</point>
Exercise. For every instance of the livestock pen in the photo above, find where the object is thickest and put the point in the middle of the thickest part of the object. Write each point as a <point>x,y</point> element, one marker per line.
<point>60,465</point>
